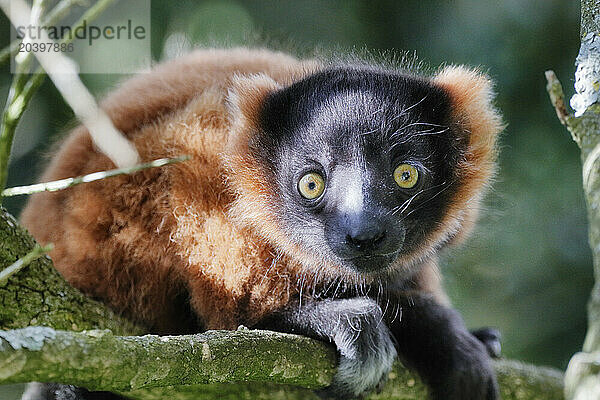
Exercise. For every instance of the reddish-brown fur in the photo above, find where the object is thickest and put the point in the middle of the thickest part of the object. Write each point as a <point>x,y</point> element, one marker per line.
<point>207,225</point>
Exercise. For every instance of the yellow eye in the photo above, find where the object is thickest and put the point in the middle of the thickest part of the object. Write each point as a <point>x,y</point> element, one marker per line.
<point>406,176</point>
<point>311,185</point>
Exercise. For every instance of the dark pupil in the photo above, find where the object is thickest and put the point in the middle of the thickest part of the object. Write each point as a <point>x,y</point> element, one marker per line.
<point>405,175</point>
<point>312,186</point>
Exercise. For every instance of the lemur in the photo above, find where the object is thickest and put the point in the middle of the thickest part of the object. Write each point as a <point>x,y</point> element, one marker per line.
<point>316,201</point>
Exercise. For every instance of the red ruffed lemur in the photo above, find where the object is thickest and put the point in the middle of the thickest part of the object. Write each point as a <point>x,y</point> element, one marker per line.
<point>316,201</point>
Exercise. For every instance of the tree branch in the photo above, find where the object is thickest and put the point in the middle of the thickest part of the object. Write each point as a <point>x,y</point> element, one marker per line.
<point>136,362</point>
<point>38,295</point>
<point>181,366</point>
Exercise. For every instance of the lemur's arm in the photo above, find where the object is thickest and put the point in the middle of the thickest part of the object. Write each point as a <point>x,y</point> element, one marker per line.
<point>429,280</point>
<point>356,327</point>
<point>432,339</point>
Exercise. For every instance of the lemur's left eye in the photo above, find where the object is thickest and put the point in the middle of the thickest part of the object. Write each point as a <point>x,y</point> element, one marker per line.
<point>311,185</point>
<point>406,176</point>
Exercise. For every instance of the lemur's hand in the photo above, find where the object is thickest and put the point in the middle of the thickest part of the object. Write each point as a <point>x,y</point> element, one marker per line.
<point>470,374</point>
<point>356,327</point>
<point>364,344</point>
<point>433,339</point>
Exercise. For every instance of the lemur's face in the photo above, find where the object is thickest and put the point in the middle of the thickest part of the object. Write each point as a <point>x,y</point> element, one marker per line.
<point>352,173</point>
<point>364,165</point>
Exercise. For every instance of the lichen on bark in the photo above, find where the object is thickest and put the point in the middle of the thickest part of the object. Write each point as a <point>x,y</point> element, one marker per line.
<point>582,379</point>
<point>99,360</point>
<point>242,364</point>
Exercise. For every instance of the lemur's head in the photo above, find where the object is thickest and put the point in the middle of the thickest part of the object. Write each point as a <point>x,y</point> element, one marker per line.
<point>356,171</point>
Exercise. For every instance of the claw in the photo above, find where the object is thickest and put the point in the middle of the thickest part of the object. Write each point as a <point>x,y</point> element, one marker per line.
<point>491,339</point>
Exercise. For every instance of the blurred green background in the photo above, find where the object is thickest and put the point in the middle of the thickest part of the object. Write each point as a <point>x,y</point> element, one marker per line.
<point>527,269</point>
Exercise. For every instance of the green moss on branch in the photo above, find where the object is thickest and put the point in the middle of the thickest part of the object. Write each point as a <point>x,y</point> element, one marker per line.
<point>182,367</point>
<point>38,295</point>
<point>99,360</point>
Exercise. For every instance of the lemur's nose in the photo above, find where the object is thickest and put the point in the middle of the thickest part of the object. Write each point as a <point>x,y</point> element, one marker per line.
<point>366,238</point>
<point>362,239</point>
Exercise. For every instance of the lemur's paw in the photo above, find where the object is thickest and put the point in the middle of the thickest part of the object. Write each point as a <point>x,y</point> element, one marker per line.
<point>470,374</point>
<point>491,339</point>
<point>366,351</point>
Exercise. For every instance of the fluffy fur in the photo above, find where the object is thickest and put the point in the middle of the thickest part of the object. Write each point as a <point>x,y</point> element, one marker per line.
<point>199,245</point>
<point>139,241</point>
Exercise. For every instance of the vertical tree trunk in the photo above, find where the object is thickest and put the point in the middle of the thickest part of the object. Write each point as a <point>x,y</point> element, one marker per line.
<point>582,380</point>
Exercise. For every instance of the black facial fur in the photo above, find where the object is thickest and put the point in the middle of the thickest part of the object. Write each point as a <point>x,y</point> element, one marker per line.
<point>353,126</point>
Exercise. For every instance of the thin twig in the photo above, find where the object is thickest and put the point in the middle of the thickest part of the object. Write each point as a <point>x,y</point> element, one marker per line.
<point>14,108</point>
<point>557,96</point>
<point>64,74</point>
<point>68,182</point>
<point>24,261</point>
<point>61,10</point>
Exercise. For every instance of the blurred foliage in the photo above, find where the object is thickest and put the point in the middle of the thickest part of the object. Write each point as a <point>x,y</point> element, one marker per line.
<point>527,270</point>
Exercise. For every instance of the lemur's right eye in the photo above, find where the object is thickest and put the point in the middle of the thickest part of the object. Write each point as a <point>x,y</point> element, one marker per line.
<point>406,176</point>
<point>311,185</point>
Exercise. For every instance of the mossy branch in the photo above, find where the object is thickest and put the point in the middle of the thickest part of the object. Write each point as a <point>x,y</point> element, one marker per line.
<point>38,295</point>
<point>182,366</point>
<point>48,355</point>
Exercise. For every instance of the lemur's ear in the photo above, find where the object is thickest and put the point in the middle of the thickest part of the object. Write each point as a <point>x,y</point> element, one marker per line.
<point>255,202</point>
<point>471,93</point>
<point>473,113</point>
<point>245,98</point>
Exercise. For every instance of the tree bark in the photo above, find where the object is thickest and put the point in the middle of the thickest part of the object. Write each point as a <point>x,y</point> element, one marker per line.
<point>89,358</point>
<point>582,379</point>
<point>38,295</point>
<point>180,367</point>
